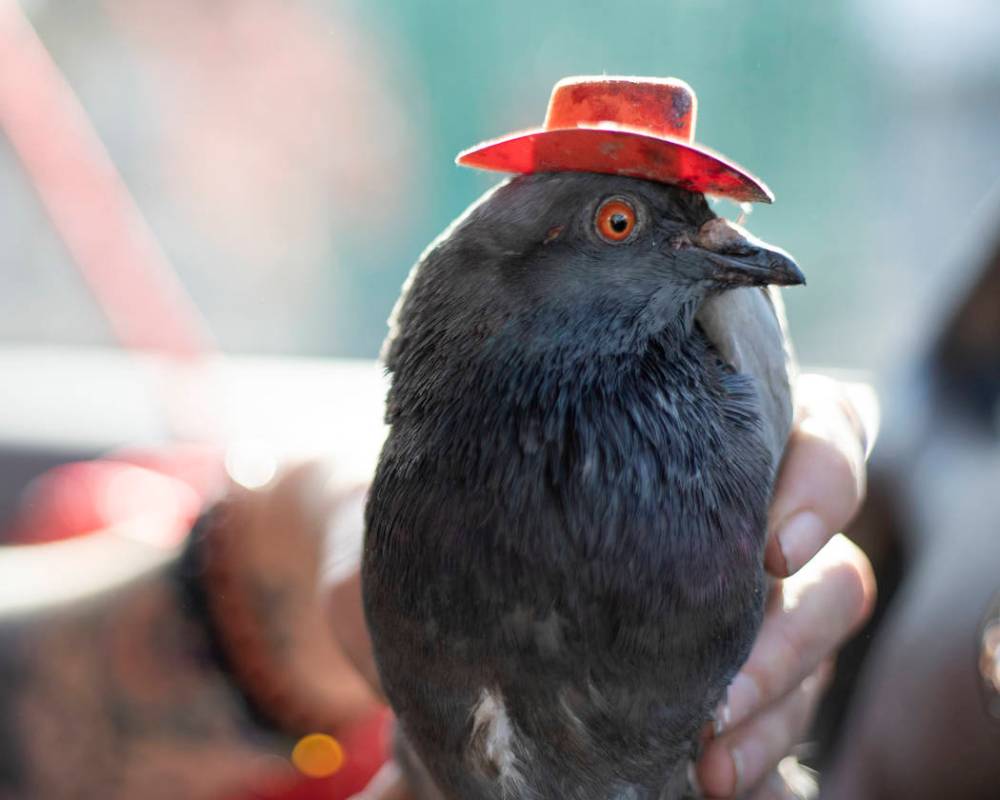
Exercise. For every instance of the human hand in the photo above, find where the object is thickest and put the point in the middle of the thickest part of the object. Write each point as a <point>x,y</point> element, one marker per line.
<point>824,590</point>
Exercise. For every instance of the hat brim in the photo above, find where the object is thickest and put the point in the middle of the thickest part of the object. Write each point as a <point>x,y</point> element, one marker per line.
<point>618,151</point>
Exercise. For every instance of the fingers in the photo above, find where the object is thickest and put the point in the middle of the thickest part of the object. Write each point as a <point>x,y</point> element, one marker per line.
<point>813,614</point>
<point>745,758</point>
<point>821,481</point>
<point>771,699</point>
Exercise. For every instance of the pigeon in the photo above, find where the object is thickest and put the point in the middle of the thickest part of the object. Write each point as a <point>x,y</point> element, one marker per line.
<point>563,558</point>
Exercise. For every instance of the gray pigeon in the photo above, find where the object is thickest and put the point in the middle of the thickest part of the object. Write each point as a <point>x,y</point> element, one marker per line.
<point>563,559</point>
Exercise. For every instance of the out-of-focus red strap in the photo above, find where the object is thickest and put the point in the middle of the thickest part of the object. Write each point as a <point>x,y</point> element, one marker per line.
<point>89,204</point>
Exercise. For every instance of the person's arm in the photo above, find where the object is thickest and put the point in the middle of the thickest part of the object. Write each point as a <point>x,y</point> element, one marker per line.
<point>118,694</point>
<point>129,672</point>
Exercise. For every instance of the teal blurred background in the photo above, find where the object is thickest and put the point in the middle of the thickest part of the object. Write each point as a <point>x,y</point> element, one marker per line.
<point>293,158</point>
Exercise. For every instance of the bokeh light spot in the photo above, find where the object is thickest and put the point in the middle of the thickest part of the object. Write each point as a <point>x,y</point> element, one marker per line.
<point>250,463</point>
<point>318,755</point>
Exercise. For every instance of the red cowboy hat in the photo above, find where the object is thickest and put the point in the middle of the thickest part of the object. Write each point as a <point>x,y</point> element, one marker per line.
<point>639,127</point>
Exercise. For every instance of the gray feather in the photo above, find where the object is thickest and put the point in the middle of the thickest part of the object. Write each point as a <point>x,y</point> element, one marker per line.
<point>749,328</point>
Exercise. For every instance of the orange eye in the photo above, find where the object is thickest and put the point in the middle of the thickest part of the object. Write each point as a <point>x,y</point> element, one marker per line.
<point>615,221</point>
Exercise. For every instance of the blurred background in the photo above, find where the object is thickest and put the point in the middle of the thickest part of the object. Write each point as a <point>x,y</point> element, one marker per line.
<point>255,178</point>
<point>293,157</point>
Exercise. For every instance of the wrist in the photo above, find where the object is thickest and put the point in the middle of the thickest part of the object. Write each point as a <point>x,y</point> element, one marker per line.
<point>251,571</point>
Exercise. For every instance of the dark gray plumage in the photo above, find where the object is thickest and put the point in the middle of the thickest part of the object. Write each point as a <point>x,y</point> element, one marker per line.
<point>563,558</point>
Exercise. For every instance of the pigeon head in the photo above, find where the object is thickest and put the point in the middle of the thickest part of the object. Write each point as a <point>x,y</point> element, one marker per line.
<point>581,262</point>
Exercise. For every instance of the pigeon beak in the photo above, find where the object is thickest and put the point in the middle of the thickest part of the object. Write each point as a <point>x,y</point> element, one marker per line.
<point>737,258</point>
<point>758,266</point>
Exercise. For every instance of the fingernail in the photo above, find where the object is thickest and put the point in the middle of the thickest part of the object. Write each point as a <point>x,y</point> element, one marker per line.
<point>800,538</point>
<point>742,699</point>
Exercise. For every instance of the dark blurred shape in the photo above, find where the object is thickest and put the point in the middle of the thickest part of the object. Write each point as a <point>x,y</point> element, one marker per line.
<point>965,361</point>
<point>919,722</point>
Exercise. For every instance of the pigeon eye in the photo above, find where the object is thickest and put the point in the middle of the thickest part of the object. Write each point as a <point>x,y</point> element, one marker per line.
<point>615,220</point>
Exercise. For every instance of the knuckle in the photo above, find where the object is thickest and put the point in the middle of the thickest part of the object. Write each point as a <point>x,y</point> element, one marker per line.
<point>852,582</point>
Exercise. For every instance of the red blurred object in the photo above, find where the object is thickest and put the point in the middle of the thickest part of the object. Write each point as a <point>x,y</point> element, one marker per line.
<point>638,127</point>
<point>153,497</point>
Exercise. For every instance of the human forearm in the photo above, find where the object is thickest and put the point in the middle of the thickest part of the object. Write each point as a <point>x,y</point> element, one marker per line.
<point>140,681</point>
<point>121,696</point>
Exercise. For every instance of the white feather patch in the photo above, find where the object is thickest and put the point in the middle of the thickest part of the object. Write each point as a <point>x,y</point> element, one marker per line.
<point>494,744</point>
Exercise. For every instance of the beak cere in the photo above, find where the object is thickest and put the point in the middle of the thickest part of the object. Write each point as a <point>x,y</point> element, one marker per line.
<point>738,258</point>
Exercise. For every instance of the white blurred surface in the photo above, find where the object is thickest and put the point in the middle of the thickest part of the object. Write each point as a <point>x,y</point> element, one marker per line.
<point>267,408</point>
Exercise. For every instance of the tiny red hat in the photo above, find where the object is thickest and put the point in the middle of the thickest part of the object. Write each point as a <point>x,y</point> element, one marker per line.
<point>638,127</point>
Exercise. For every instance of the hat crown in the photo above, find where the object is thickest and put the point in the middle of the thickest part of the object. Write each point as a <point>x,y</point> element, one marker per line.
<point>636,127</point>
<point>662,106</point>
